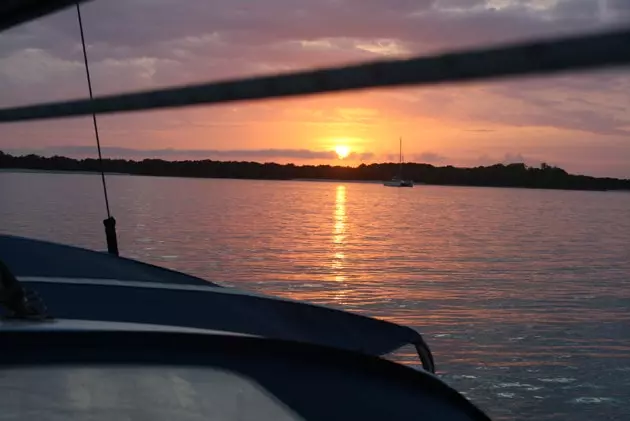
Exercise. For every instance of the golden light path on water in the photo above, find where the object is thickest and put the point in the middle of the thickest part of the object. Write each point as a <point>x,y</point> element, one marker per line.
<point>339,230</point>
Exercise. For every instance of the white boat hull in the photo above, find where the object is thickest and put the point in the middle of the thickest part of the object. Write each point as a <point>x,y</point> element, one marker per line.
<point>398,183</point>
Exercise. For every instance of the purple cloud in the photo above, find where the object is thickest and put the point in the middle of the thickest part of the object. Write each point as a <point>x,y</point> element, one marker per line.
<point>428,158</point>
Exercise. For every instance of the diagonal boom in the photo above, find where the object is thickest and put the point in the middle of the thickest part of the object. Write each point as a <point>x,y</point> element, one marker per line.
<point>542,57</point>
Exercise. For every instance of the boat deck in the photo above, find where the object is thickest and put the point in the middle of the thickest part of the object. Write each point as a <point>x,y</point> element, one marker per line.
<point>36,258</point>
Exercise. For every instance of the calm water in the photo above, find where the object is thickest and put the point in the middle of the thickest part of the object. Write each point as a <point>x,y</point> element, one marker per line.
<point>523,295</point>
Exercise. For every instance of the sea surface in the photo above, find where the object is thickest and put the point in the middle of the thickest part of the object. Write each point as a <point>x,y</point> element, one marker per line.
<point>523,295</point>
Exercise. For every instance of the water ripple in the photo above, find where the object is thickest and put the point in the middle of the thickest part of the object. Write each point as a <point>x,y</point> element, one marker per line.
<point>523,295</point>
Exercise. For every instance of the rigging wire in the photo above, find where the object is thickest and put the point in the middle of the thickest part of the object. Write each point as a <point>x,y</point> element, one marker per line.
<point>110,222</point>
<point>542,57</point>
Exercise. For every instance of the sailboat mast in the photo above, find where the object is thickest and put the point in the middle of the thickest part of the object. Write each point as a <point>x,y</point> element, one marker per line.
<point>400,160</point>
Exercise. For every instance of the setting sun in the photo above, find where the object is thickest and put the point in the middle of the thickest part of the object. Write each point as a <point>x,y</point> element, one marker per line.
<point>342,151</point>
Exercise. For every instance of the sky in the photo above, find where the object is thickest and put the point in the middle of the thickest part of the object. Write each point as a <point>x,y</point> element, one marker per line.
<point>579,122</point>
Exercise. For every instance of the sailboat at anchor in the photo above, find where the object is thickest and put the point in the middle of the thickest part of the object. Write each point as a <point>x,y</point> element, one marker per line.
<point>398,181</point>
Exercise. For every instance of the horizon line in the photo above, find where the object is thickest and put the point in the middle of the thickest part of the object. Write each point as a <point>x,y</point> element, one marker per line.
<point>542,164</point>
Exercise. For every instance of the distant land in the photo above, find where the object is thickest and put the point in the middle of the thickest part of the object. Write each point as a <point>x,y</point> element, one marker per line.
<point>498,175</point>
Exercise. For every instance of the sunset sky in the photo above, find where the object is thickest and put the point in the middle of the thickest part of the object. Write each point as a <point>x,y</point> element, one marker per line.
<point>579,122</point>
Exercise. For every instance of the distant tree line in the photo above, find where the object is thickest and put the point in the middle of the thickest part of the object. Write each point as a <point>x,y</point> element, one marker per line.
<point>499,175</point>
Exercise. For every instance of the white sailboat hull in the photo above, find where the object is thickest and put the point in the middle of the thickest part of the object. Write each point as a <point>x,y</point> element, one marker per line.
<point>398,183</point>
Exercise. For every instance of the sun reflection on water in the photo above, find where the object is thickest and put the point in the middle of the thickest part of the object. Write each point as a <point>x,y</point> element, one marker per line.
<point>338,239</point>
<point>339,231</point>
<point>340,216</point>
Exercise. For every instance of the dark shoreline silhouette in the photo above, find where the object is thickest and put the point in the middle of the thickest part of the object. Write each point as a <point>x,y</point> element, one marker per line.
<point>498,175</point>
